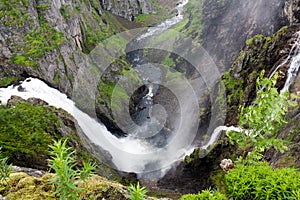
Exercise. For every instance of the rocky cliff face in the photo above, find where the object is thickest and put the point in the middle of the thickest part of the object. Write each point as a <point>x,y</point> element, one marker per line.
<point>224,26</point>
<point>50,39</point>
<point>292,11</point>
<point>128,9</point>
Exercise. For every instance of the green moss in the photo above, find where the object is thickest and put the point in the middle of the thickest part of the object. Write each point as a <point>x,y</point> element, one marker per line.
<point>56,78</point>
<point>234,87</point>
<point>93,36</point>
<point>37,42</point>
<point>194,26</point>
<point>254,40</point>
<point>21,186</point>
<point>26,129</point>
<point>7,80</point>
<point>110,92</point>
<point>168,61</point>
<point>13,12</point>
<point>64,11</point>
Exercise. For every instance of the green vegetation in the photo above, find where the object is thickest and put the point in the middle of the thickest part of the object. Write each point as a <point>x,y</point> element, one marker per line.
<point>63,162</point>
<point>93,36</point>
<point>5,169</point>
<point>12,12</point>
<point>137,192</point>
<point>113,95</point>
<point>38,41</point>
<point>27,129</point>
<point>205,195</point>
<point>234,86</point>
<point>194,28</point>
<point>7,80</point>
<point>67,183</point>
<point>64,11</point>
<point>262,121</point>
<point>162,12</point>
<point>260,181</point>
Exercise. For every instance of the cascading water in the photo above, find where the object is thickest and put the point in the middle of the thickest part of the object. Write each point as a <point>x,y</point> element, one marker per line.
<point>294,60</point>
<point>294,64</point>
<point>129,154</point>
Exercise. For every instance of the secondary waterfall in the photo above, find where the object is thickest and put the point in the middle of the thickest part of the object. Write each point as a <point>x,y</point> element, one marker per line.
<point>294,65</point>
<point>294,60</point>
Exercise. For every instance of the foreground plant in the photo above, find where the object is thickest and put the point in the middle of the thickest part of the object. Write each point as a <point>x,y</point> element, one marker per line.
<point>137,192</point>
<point>261,122</point>
<point>63,163</point>
<point>260,181</point>
<point>5,169</point>
<point>205,195</point>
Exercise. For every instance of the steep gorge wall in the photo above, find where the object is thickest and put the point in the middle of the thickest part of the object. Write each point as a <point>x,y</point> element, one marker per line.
<point>224,26</point>
<point>50,39</point>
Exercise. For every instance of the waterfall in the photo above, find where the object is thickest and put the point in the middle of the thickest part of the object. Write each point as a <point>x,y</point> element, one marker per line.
<point>294,65</point>
<point>294,59</point>
<point>128,154</point>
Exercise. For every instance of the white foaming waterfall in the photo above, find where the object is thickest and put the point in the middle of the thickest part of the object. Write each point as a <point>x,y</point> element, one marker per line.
<point>217,132</point>
<point>128,154</point>
<point>167,23</point>
<point>294,59</point>
<point>294,65</point>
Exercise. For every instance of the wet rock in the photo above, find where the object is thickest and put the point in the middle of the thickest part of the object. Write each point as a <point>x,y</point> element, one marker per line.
<point>226,165</point>
<point>21,89</point>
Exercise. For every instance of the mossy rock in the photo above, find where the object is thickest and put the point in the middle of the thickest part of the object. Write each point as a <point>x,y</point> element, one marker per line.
<point>24,187</point>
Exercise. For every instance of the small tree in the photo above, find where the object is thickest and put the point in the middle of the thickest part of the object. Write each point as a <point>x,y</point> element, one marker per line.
<point>261,121</point>
<point>63,163</point>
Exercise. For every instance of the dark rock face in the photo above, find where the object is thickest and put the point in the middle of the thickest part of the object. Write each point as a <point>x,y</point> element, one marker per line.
<point>292,11</point>
<point>261,53</point>
<point>228,25</point>
<point>128,9</point>
<point>197,175</point>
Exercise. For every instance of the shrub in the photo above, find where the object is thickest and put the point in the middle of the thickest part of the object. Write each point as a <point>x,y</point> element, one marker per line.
<point>261,121</point>
<point>204,195</point>
<point>63,163</point>
<point>260,181</point>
